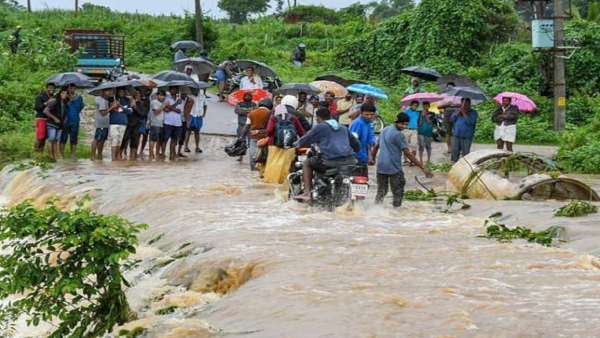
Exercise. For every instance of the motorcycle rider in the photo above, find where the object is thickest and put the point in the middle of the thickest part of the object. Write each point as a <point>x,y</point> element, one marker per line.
<point>336,145</point>
<point>299,55</point>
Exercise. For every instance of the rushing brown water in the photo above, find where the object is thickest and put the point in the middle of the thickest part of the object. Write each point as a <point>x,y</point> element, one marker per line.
<point>371,272</point>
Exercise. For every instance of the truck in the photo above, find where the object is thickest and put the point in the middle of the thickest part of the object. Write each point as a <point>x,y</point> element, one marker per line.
<point>101,54</point>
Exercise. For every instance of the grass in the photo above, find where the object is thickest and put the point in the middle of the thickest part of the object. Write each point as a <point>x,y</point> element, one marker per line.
<point>504,234</point>
<point>576,209</point>
<point>18,145</point>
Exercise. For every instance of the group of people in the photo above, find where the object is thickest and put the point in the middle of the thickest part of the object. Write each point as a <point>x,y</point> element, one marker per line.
<point>129,119</point>
<point>133,120</point>
<point>341,129</point>
<point>57,119</point>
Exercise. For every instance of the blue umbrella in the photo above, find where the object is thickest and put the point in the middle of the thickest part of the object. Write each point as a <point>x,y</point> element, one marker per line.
<point>367,89</point>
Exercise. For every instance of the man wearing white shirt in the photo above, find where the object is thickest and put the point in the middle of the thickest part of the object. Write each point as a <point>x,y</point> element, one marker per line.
<point>251,80</point>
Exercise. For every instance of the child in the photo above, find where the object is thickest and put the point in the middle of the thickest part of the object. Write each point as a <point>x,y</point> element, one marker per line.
<point>425,132</point>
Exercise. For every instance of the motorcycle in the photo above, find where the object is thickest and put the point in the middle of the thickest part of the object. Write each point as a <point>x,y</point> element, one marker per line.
<point>332,188</point>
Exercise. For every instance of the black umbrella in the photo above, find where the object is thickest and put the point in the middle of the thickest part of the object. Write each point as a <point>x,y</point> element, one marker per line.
<point>200,65</point>
<point>455,81</point>
<point>296,88</point>
<point>169,75</point>
<point>259,68</point>
<point>97,91</point>
<point>186,44</point>
<point>72,78</point>
<point>475,94</point>
<point>427,74</point>
<point>338,79</point>
<point>185,83</point>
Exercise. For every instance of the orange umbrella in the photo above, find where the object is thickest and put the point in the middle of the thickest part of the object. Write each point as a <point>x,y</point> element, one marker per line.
<point>257,95</point>
<point>330,86</point>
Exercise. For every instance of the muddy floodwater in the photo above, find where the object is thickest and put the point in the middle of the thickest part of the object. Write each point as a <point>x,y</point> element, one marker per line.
<point>302,272</point>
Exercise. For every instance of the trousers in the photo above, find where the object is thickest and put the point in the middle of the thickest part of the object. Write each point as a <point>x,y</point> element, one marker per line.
<point>396,182</point>
<point>460,147</point>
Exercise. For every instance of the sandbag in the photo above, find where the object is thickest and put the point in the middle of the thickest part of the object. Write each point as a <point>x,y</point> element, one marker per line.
<point>278,165</point>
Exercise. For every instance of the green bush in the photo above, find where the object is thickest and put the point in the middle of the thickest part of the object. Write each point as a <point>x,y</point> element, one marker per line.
<point>311,13</point>
<point>65,266</point>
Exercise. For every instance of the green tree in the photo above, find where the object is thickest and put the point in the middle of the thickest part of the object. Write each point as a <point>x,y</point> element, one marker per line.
<point>65,267</point>
<point>239,10</point>
<point>593,13</point>
<point>389,8</point>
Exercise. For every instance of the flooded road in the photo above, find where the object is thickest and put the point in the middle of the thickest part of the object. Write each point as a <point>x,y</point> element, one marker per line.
<point>370,272</point>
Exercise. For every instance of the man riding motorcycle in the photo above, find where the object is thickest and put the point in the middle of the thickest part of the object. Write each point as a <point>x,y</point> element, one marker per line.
<point>336,144</point>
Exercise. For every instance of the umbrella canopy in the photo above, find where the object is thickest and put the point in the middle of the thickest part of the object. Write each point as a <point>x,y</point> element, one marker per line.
<point>523,103</point>
<point>186,44</point>
<point>189,84</point>
<point>146,83</point>
<point>422,97</point>
<point>423,73</point>
<point>199,65</point>
<point>455,81</point>
<point>71,78</point>
<point>296,88</point>
<point>329,86</point>
<point>169,75</point>
<point>368,90</point>
<point>97,91</point>
<point>475,94</point>
<point>337,79</point>
<point>257,95</point>
<point>449,101</point>
<point>259,68</point>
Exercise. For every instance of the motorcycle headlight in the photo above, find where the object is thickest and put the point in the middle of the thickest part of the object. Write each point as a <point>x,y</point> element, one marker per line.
<point>346,181</point>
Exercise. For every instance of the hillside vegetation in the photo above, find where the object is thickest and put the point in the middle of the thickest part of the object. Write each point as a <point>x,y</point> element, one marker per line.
<point>486,41</point>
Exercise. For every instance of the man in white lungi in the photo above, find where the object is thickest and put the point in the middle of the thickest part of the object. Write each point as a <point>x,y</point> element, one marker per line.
<point>506,117</point>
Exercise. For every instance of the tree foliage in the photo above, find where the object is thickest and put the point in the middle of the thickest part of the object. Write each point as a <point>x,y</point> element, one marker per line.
<point>65,267</point>
<point>239,10</point>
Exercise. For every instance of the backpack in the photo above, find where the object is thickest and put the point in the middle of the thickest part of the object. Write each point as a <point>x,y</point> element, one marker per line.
<point>285,132</point>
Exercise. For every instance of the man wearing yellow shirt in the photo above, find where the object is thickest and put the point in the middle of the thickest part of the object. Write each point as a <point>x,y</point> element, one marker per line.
<point>343,108</point>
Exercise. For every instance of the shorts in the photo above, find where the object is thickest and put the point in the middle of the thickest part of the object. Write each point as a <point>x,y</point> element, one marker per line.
<point>425,143</point>
<point>411,137</point>
<point>221,75</point>
<point>172,133</point>
<point>41,126</point>
<point>70,132</point>
<point>53,133</point>
<point>101,134</point>
<point>156,134</point>
<point>506,133</point>
<point>196,123</point>
<point>142,129</point>
<point>116,133</point>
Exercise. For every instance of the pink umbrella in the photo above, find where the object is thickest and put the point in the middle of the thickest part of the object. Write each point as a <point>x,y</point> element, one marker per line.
<point>449,101</point>
<point>422,97</point>
<point>523,103</point>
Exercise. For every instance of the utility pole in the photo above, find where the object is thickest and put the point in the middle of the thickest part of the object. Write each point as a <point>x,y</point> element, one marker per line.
<point>199,28</point>
<point>29,6</point>
<point>76,6</point>
<point>560,90</point>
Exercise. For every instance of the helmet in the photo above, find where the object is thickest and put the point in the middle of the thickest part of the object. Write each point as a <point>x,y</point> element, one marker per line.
<point>290,100</point>
<point>266,102</point>
<point>238,148</point>
<point>302,45</point>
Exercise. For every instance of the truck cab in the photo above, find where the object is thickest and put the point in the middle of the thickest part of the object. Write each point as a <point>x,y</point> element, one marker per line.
<point>102,55</point>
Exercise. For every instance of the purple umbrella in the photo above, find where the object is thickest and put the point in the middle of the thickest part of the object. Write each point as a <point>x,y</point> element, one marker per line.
<point>523,103</point>
<point>422,97</point>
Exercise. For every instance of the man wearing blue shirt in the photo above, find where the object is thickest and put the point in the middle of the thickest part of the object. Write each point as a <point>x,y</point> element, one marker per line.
<point>413,124</point>
<point>362,128</point>
<point>464,122</point>
<point>71,131</point>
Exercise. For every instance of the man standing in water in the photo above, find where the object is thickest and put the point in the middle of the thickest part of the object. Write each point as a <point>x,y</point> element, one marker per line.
<point>464,129</point>
<point>506,117</point>
<point>71,128</point>
<point>156,116</point>
<point>362,129</point>
<point>391,145</point>
<point>41,120</point>
<point>102,121</point>
<point>196,121</point>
